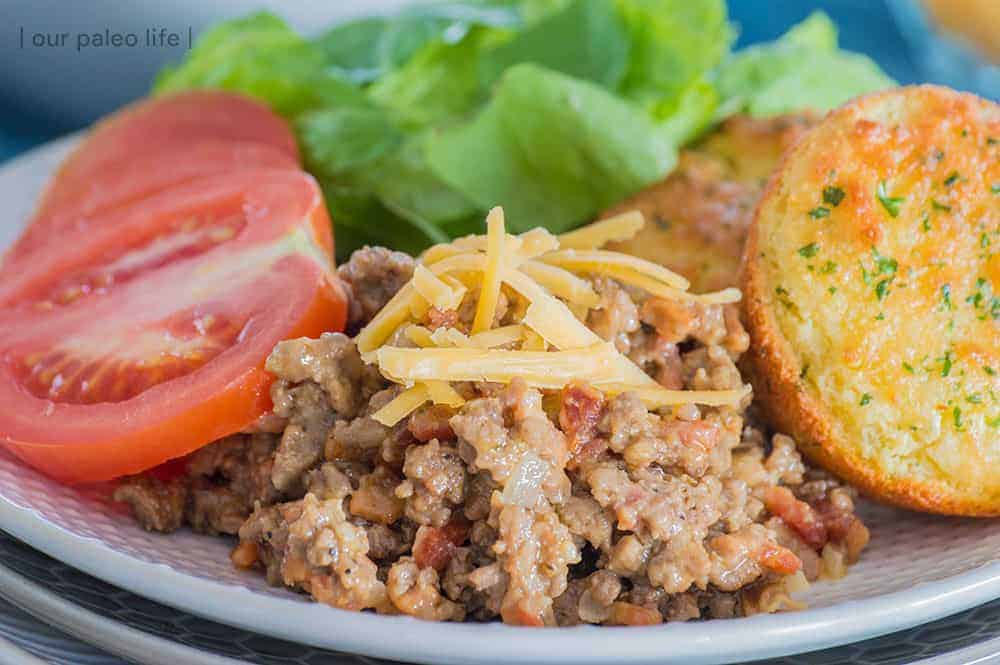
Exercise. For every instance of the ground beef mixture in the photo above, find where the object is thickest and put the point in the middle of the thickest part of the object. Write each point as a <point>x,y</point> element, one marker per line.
<point>539,509</point>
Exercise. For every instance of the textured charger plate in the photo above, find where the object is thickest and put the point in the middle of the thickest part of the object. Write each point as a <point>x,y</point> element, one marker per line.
<point>918,568</point>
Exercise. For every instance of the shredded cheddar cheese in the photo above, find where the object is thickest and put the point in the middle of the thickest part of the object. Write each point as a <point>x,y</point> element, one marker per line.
<point>490,339</point>
<point>562,283</point>
<point>490,293</point>
<point>434,290</point>
<point>441,392</point>
<point>599,260</point>
<point>596,235</point>
<point>402,405</point>
<point>542,369</point>
<point>547,344</point>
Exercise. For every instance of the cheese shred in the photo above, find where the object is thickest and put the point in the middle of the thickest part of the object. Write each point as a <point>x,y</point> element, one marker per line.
<point>490,293</point>
<point>402,405</point>
<point>596,235</point>
<point>548,344</point>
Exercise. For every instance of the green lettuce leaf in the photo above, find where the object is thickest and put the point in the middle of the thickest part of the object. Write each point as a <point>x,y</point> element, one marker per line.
<point>416,124</point>
<point>440,84</point>
<point>341,140</point>
<point>586,39</point>
<point>551,149</point>
<point>259,55</point>
<point>674,43</point>
<point>406,185</point>
<point>690,114</point>
<point>377,176</point>
<point>802,69</point>
<point>365,49</point>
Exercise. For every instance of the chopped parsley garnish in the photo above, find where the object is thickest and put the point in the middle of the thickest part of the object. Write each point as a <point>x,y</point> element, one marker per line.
<point>783,298</point>
<point>984,241</point>
<point>819,212</point>
<point>956,416</point>
<point>946,296</point>
<point>991,141</point>
<point>974,398</point>
<point>880,317</point>
<point>890,203</point>
<point>925,222</point>
<point>909,368</point>
<point>989,370</point>
<point>832,290</point>
<point>866,276</point>
<point>886,264</point>
<point>937,205</point>
<point>946,364</point>
<point>866,399</point>
<point>809,251</point>
<point>882,288</point>
<point>995,188</point>
<point>976,299</point>
<point>828,268</point>
<point>833,195</point>
<point>805,370</point>
<point>951,179</point>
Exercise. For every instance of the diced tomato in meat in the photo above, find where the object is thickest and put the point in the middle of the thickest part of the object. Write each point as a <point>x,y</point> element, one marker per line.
<point>629,614</point>
<point>580,412</point>
<point>517,615</point>
<point>441,318</point>
<point>702,434</point>
<point>432,423</point>
<point>434,546</point>
<point>797,514</point>
<point>779,559</point>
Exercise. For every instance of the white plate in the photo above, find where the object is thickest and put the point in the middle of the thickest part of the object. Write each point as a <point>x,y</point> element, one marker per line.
<point>918,568</point>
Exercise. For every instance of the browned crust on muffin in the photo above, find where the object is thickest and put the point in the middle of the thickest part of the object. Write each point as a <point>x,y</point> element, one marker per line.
<point>775,371</point>
<point>697,217</point>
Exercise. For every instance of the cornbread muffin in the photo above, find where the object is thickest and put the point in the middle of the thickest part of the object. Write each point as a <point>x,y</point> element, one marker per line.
<point>871,291</point>
<point>698,215</point>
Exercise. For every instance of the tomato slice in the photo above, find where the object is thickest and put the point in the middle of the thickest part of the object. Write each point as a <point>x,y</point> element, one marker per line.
<point>147,340</point>
<point>82,203</point>
<point>137,137</point>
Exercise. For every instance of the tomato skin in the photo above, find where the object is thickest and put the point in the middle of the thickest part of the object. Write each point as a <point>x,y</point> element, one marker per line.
<point>293,295</point>
<point>82,206</point>
<point>140,136</point>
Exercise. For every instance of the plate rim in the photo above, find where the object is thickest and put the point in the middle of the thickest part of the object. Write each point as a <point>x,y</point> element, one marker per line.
<point>751,638</point>
<point>102,632</point>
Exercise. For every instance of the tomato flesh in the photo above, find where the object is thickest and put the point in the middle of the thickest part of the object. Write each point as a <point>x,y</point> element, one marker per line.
<point>153,144</point>
<point>83,205</point>
<point>147,340</point>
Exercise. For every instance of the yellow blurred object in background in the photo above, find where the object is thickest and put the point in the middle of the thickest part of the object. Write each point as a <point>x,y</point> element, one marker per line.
<point>976,21</point>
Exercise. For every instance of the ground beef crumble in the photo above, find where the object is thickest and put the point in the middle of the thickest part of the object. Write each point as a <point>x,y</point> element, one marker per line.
<point>537,509</point>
